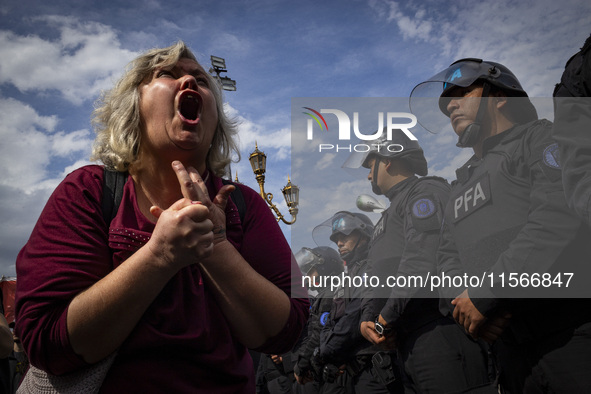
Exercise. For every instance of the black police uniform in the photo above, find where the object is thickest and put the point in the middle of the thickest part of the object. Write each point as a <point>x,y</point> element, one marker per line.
<point>507,215</point>
<point>341,341</point>
<point>272,378</point>
<point>278,378</point>
<point>404,245</point>
<point>572,130</point>
<point>319,316</point>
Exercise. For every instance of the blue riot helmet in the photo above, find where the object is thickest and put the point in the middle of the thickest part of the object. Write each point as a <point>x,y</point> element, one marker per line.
<point>345,223</point>
<point>400,147</point>
<point>464,73</point>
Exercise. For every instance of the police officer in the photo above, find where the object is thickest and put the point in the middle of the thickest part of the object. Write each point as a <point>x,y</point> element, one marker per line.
<point>291,372</point>
<point>344,355</point>
<point>507,218</point>
<point>320,262</point>
<point>404,246</point>
<point>572,125</point>
<point>272,376</point>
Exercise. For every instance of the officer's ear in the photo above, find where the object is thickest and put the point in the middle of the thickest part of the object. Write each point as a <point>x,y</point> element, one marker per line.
<point>505,107</point>
<point>391,166</point>
<point>500,99</point>
<point>387,163</point>
<point>363,240</point>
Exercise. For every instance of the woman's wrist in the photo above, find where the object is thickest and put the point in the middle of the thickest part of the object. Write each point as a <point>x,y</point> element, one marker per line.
<point>219,234</point>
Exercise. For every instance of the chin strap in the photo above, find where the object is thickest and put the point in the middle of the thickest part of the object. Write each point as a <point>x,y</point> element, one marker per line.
<point>471,134</point>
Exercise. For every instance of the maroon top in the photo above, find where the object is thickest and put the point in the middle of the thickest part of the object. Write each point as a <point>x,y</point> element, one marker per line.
<point>183,342</point>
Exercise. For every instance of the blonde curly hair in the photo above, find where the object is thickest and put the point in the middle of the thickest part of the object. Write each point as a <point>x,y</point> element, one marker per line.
<point>116,117</point>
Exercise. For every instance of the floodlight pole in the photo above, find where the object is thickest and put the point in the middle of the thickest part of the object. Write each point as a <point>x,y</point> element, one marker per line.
<point>218,66</point>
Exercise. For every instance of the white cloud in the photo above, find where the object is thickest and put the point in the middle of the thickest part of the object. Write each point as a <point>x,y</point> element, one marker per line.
<point>85,59</point>
<point>416,24</point>
<point>326,161</point>
<point>29,143</point>
<point>24,150</point>
<point>251,133</point>
<point>15,114</point>
<point>231,43</point>
<point>64,144</point>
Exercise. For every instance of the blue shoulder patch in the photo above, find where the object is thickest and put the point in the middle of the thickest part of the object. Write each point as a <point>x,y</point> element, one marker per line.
<point>552,156</point>
<point>423,208</point>
<point>324,318</point>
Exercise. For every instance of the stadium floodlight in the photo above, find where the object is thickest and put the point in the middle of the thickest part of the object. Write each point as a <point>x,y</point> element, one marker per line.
<point>218,66</point>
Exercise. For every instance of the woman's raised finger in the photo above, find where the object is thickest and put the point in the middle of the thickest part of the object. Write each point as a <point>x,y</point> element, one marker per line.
<point>198,181</point>
<point>189,189</point>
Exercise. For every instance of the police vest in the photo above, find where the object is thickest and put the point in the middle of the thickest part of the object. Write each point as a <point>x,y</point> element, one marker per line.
<point>507,213</point>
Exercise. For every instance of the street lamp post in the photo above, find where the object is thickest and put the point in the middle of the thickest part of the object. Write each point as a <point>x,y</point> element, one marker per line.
<point>291,193</point>
<point>258,160</point>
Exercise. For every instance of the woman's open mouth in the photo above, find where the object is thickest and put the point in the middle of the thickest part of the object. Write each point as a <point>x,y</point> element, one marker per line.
<point>190,104</point>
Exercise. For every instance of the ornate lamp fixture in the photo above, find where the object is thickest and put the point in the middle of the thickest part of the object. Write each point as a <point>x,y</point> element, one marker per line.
<point>291,193</point>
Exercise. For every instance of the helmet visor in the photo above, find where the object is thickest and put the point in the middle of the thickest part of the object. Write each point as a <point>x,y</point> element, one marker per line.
<point>341,223</point>
<point>425,98</point>
<point>460,74</point>
<point>306,259</point>
<point>356,159</point>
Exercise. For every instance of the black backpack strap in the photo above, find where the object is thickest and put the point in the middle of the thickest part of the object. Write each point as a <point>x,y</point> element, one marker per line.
<point>238,199</point>
<point>113,183</point>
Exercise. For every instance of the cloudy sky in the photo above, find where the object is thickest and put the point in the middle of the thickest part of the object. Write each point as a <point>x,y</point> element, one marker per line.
<point>56,57</point>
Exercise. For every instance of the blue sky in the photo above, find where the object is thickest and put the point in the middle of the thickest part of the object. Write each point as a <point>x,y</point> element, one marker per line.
<point>55,58</point>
